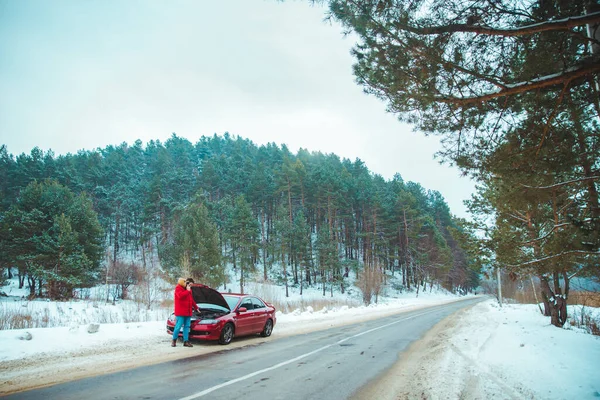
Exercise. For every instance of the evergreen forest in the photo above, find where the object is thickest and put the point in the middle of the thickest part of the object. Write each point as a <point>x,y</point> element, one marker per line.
<point>304,220</point>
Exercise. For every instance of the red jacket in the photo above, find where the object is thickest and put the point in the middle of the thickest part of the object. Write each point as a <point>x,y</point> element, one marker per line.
<point>184,302</point>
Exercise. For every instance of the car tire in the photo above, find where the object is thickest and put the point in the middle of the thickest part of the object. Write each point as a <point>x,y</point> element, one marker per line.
<point>266,332</point>
<point>226,334</point>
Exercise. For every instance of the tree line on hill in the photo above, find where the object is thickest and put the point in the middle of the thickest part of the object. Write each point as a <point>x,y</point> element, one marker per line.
<point>306,219</point>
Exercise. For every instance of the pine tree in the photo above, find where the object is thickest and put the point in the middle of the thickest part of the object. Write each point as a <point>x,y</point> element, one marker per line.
<point>54,238</point>
<point>244,233</point>
<point>194,250</point>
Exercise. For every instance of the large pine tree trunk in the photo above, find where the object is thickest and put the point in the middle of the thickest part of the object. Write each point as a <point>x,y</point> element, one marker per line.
<point>554,301</point>
<point>417,286</point>
<point>116,238</point>
<point>331,274</point>
<point>263,243</point>
<point>295,269</point>
<point>242,278</point>
<point>31,282</point>
<point>52,289</point>
<point>546,295</point>
<point>233,258</point>
<point>407,262</point>
<point>163,226</point>
<point>301,279</point>
<point>284,264</point>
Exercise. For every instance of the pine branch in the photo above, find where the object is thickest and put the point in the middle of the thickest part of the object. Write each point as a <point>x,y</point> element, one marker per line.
<point>561,184</point>
<point>564,24</point>
<point>565,253</point>
<point>541,238</point>
<point>517,217</point>
<point>426,53</point>
<point>539,83</point>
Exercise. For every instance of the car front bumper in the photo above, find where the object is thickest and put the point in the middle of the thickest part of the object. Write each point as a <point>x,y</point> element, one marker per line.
<point>200,332</point>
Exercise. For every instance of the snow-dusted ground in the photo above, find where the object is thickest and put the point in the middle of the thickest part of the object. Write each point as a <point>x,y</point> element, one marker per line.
<point>488,352</point>
<point>479,353</point>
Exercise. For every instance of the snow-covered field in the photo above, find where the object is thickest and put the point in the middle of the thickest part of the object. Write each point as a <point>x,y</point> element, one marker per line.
<point>492,352</point>
<point>483,352</point>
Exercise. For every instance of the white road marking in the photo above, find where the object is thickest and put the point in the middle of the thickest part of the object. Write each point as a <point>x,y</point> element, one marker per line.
<point>281,364</point>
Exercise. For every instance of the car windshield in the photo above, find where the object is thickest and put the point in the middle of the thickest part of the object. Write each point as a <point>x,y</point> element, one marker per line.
<point>231,301</point>
<point>209,306</point>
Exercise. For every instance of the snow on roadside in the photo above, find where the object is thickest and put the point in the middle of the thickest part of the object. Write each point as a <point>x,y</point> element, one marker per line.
<point>514,352</point>
<point>14,345</point>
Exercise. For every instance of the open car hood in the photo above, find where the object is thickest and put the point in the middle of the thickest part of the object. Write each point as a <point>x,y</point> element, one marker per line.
<point>205,294</point>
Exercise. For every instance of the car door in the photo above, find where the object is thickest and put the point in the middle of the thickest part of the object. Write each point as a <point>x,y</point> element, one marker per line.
<point>260,314</point>
<point>245,319</point>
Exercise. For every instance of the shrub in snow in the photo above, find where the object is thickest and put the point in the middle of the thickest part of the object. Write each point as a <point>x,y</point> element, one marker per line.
<point>26,336</point>
<point>309,310</point>
<point>74,327</point>
<point>93,328</point>
<point>324,310</point>
<point>297,312</point>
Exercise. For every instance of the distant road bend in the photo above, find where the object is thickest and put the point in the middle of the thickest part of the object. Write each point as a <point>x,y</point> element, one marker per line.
<point>329,364</point>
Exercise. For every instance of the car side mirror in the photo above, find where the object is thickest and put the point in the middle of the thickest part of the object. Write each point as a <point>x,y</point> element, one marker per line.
<point>242,309</point>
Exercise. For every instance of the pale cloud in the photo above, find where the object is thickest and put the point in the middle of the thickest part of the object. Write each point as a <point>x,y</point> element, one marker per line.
<point>89,74</point>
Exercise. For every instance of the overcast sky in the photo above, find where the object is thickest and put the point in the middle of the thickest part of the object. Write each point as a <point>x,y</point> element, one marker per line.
<point>86,74</point>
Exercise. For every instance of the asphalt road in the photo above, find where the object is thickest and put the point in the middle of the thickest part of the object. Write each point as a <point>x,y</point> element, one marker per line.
<point>330,364</point>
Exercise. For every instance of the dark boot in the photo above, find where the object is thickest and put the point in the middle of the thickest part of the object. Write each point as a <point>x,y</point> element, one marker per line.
<point>187,344</point>
<point>173,343</point>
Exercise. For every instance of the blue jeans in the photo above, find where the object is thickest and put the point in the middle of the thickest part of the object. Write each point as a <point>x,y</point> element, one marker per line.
<point>185,321</point>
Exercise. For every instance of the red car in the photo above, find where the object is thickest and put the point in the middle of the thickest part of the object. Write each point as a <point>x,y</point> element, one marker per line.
<point>223,316</point>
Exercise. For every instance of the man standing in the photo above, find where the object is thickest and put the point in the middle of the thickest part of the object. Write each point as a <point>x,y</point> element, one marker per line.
<point>184,304</point>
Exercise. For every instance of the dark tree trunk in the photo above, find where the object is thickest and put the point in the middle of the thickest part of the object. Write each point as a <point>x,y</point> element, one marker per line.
<point>285,278</point>
<point>301,281</point>
<point>295,269</point>
<point>116,238</point>
<point>263,242</point>
<point>556,303</point>
<point>546,295</point>
<point>31,282</point>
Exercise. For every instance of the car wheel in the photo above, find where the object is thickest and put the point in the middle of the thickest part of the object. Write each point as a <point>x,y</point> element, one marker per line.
<point>226,334</point>
<point>267,329</point>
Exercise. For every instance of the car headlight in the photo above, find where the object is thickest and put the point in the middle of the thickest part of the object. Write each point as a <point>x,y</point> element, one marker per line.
<point>172,318</point>
<point>208,321</point>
